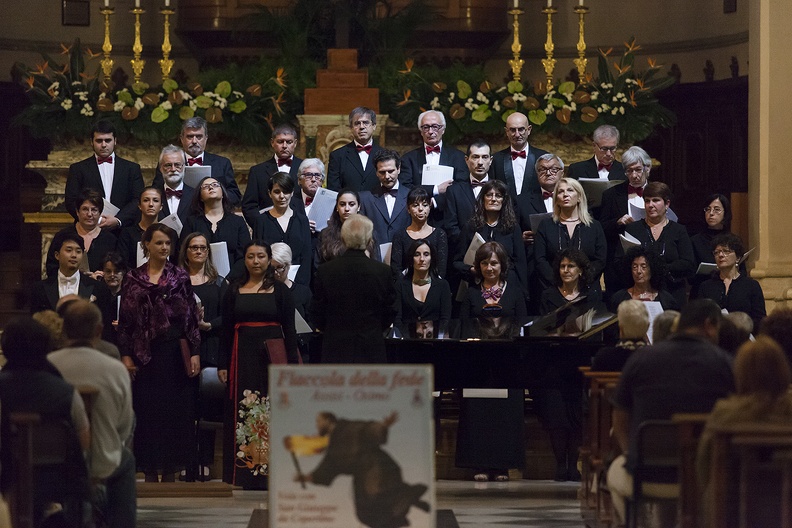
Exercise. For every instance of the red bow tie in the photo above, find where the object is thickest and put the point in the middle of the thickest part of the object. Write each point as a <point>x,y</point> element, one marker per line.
<point>477,183</point>
<point>546,194</point>
<point>170,193</point>
<point>308,200</point>
<point>516,154</point>
<point>361,148</point>
<point>282,162</point>
<point>601,166</point>
<point>194,161</point>
<point>436,148</point>
<point>634,190</point>
<point>99,161</point>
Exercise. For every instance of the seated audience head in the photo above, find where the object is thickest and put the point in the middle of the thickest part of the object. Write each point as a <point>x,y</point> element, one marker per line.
<point>644,268</point>
<point>194,134</point>
<point>778,325</point>
<point>491,263</point>
<point>209,191</point>
<point>732,333</point>
<point>356,232</point>
<point>572,265</point>
<point>633,320</point>
<point>54,323</point>
<point>664,325</point>
<point>478,159</point>
<point>717,212</point>
<point>172,162</point>
<point>196,253</point>
<point>114,267</point>
<point>494,201</point>
<point>761,368</point>
<point>103,138</point>
<point>69,248</point>
<point>26,343</point>
<point>569,197</point>
<point>150,239</point>
<point>89,205</point>
<point>549,169</point>
<point>637,165</point>
<point>605,141</point>
<point>423,258</point>
<point>701,317</point>
<point>432,126</point>
<point>311,176</point>
<point>388,165</point>
<point>82,322</point>
<point>363,123</point>
<point>284,141</point>
<point>281,260</point>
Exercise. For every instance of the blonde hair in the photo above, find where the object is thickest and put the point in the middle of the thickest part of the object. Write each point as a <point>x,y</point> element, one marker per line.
<point>633,319</point>
<point>582,206</point>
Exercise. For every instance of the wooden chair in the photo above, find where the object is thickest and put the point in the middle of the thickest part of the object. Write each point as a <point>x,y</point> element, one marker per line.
<point>689,427</point>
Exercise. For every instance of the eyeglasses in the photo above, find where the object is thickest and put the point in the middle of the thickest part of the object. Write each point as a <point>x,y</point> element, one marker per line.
<point>493,196</point>
<point>197,249</point>
<point>280,269</point>
<point>634,170</point>
<point>550,170</point>
<point>606,149</point>
<point>427,128</point>
<point>312,175</point>
<point>719,252</point>
<point>209,186</point>
<point>716,210</point>
<point>361,124</point>
<point>169,166</point>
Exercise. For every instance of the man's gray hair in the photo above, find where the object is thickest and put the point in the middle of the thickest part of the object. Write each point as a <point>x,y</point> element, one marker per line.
<point>363,111</point>
<point>606,131</point>
<point>195,122</point>
<point>356,232</point>
<point>635,155</point>
<point>439,115</point>
<point>548,157</point>
<point>171,149</point>
<point>312,162</point>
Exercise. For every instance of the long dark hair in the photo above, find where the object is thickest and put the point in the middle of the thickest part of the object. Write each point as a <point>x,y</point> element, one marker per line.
<point>432,254</point>
<point>269,274</point>
<point>507,218</point>
<point>197,204</point>
<point>330,243</point>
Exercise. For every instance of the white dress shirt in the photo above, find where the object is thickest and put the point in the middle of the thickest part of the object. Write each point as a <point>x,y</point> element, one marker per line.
<point>518,167</point>
<point>106,173</point>
<point>68,285</point>
<point>173,201</point>
<point>362,154</point>
<point>390,201</point>
<point>477,189</point>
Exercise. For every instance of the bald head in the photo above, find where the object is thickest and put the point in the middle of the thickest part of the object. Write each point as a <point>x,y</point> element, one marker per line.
<point>517,130</point>
<point>82,321</point>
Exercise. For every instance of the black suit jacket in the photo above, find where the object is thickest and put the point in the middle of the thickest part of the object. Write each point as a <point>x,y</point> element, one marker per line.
<point>222,171</point>
<point>386,226</point>
<point>501,169</point>
<point>460,204</point>
<point>614,206</point>
<point>588,169</point>
<point>345,170</point>
<point>127,186</point>
<point>44,296</point>
<point>412,168</point>
<point>106,242</point>
<point>256,195</point>
<point>184,205</point>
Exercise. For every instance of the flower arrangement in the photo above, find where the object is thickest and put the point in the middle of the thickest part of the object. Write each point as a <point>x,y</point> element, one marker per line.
<point>621,96</point>
<point>252,432</point>
<point>66,101</point>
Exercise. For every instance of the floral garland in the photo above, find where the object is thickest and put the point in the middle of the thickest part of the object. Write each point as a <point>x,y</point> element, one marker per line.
<point>252,433</point>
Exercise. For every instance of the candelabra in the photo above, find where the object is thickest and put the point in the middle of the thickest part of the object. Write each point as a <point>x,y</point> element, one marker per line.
<point>165,63</point>
<point>137,48</point>
<point>516,63</point>
<point>549,63</point>
<point>107,62</point>
<point>581,61</point>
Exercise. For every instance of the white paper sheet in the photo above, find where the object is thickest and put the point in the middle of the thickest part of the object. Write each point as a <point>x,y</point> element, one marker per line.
<point>141,258</point>
<point>470,254</point>
<point>172,221</point>
<point>628,241</point>
<point>485,393</point>
<point>220,258</point>
<point>385,252</point>
<point>109,209</point>
<point>293,271</point>
<point>322,207</point>
<point>705,268</point>
<point>193,175</point>
<point>436,174</point>
<point>300,324</point>
<point>654,308</point>
<point>636,213</point>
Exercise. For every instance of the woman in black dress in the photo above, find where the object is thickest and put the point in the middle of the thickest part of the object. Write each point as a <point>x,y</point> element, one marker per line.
<point>729,287</point>
<point>419,205</point>
<point>281,223</point>
<point>646,271</point>
<point>490,438</point>
<point>718,216</point>
<point>330,244</point>
<point>150,205</point>
<point>255,309</point>
<point>423,299</point>
<point>212,215</point>
<point>666,238</point>
<point>570,227</point>
<point>159,319</point>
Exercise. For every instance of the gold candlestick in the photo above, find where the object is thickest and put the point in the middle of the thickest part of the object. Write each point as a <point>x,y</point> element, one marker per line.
<point>581,61</point>
<point>516,63</point>
<point>137,63</point>
<point>165,63</point>
<point>549,63</point>
<point>107,62</point>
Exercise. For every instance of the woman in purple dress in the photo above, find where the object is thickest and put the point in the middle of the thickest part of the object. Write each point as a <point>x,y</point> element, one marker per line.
<point>158,317</point>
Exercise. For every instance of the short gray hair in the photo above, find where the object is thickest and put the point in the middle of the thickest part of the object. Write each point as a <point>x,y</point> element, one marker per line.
<point>633,319</point>
<point>356,232</point>
<point>363,111</point>
<point>195,122</point>
<point>439,115</point>
<point>172,149</point>
<point>311,162</point>
<point>281,253</point>
<point>664,325</point>
<point>605,131</point>
<point>548,157</point>
<point>635,155</point>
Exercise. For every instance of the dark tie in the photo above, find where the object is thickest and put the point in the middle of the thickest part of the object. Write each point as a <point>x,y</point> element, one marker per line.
<point>546,194</point>
<point>516,154</point>
<point>194,161</point>
<point>361,148</point>
<point>634,190</point>
<point>476,183</point>
<point>282,162</point>
<point>104,160</point>
<point>308,200</point>
<point>392,192</point>
<point>436,148</point>
<point>601,166</point>
<point>170,193</point>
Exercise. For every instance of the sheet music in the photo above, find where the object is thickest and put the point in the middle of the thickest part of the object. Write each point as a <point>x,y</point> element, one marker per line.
<point>172,221</point>
<point>654,308</point>
<point>195,173</point>
<point>470,254</point>
<point>628,241</point>
<point>594,187</point>
<point>436,174</point>
<point>385,251</point>
<point>109,209</point>
<point>745,255</point>
<point>322,207</point>
<point>536,219</point>
<point>300,324</point>
<point>141,258</point>
<point>293,271</point>
<point>636,213</point>
<point>220,258</point>
<point>705,268</point>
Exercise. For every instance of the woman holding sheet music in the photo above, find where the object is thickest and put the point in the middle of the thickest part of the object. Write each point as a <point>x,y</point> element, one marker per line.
<point>729,287</point>
<point>150,205</point>
<point>718,216</point>
<point>665,237</point>
<point>212,215</point>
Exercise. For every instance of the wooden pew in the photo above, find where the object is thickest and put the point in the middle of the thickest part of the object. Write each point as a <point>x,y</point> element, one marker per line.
<point>690,426</point>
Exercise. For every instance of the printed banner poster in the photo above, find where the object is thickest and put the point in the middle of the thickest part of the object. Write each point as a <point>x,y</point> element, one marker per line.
<point>351,446</point>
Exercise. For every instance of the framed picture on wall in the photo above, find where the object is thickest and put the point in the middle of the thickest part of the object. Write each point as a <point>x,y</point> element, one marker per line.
<point>76,12</point>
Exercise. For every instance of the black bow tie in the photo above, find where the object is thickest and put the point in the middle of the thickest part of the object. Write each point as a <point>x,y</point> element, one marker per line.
<point>392,192</point>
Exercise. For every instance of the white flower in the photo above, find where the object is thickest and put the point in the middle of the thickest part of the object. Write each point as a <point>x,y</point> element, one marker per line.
<point>548,110</point>
<point>87,110</point>
<point>193,105</point>
<point>496,106</point>
<point>139,104</point>
<point>210,94</point>
<point>161,95</point>
<point>82,96</point>
<point>240,95</point>
<point>435,103</point>
<point>223,102</point>
<point>166,105</point>
<point>54,86</point>
<point>615,98</point>
<point>66,104</point>
<point>573,106</point>
<point>185,95</point>
<point>614,111</point>
<point>594,96</point>
<point>500,90</point>
<point>621,110</point>
<point>481,97</point>
<point>470,105</point>
<point>76,83</point>
<point>568,96</point>
<point>519,97</point>
<point>119,105</point>
<point>451,97</point>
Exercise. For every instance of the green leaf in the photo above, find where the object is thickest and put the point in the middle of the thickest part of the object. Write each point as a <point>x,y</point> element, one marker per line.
<point>238,106</point>
<point>463,89</point>
<point>566,87</point>
<point>558,103</point>
<point>170,85</point>
<point>514,87</point>
<point>140,88</point>
<point>185,113</point>
<point>223,89</point>
<point>537,117</point>
<point>203,101</point>
<point>481,113</point>
<point>159,114</point>
<point>126,97</point>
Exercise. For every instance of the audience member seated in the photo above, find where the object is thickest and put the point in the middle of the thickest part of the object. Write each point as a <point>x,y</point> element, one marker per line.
<point>778,325</point>
<point>718,217</point>
<point>735,330</point>
<point>386,205</point>
<point>150,204</point>
<point>96,241</point>
<point>664,325</point>
<point>111,463</point>
<point>330,243</point>
<point>686,373</point>
<point>423,298</point>
<point>31,384</point>
<point>762,378</point>
<point>647,272</point>
<point>419,207</point>
<point>352,166</point>
<point>733,290</point>
<point>105,345</point>
<point>284,223</point>
<point>633,324</point>
<point>212,215</point>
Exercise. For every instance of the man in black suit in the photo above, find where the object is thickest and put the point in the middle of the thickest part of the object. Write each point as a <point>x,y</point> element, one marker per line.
<point>68,280</point>
<point>432,125</point>
<point>311,176</point>
<point>177,195</point>
<point>351,166</point>
<point>386,206</point>
<point>461,197</point>
<point>515,164</point>
<point>603,164</point>
<point>256,197</point>
<point>116,179</point>
<point>353,302</point>
<point>194,135</point>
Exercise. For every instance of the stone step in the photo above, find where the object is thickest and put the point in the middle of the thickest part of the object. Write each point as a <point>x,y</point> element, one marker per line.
<point>331,101</point>
<point>341,79</point>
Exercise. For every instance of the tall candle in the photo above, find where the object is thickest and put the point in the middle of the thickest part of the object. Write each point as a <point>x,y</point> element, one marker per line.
<point>580,3</point>
<point>549,3</point>
<point>167,3</point>
<point>107,3</point>
<point>137,4</point>
<point>516,2</point>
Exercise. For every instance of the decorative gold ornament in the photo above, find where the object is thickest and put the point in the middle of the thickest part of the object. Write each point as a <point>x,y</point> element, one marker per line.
<point>107,47</point>
<point>165,63</point>
<point>549,63</point>
<point>516,63</point>
<point>581,61</point>
<point>137,63</point>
